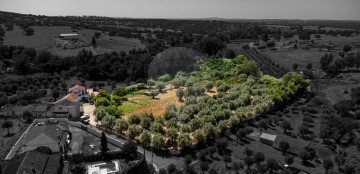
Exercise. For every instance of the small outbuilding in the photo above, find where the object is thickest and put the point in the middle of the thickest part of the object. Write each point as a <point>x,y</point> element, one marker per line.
<point>267,139</point>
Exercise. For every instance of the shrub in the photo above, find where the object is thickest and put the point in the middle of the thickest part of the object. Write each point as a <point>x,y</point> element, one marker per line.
<point>157,127</point>
<point>121,125</point>
<point>170,112</point>
<point>134,119</point>
<point>180,93</point>
<point>157,141</point>
<point>199,136</point>
<point>172,133</point>
<point>133,131</point>
<point>176,83</point>
<point>160,86</point>
<point>145,122</point>
<point>183,140</point>
<point>172,123</point>
<point>190,81</point>
<point>185,128</point>
<point>165,78</point>
<point>145,137</point>
<point>120,91</point>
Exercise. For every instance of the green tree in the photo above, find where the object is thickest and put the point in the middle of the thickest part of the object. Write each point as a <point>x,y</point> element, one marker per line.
<point>121,125</point>
<point>355,94</point>
<point>328,164</point>
<point>153,93</point>
<point>93,41</point>
<point>204,166</point>
<point>157,127</point>
<point>180,93</point>
<point>237,166</point>
<point>55,94</point>
<point>248,152</point>
<point>309,66</point>
<point>227,159</point>
<point>183,140</point>
<point>259,157</point>
<point>120,91</point>
<point>160,86</point>
<point>289,159</point>
<point>130,149</point>
<point>145,122</point>
<point>102,101</point>
<point>199,136</point>
<point>108,121</point>
<point>134,119</point>
<point>326,60</point>
<point>357,143</point>
<point>29,31</point>
<point>176,83</point>
<point>346,48</point>
<point>295,66</point>
<point>284,146</point>
<point>172,133</point>
<point>7,124</point>
<point>28,116</point>
<point>304,155</point>
<point>248,67</point>
<point>208,85</point>
<point>133,131</point>
<point>103,143</point>
<point>272,165</point>
<point>286,125</point>
<point>165,78</point>
<point>145,137</point>
<point>157,141</point>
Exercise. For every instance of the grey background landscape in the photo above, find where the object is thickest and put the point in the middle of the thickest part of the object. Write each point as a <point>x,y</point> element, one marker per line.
<point>239,9</point>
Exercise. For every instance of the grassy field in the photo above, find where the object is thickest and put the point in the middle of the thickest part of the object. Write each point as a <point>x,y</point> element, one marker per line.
<point>43,36</point>
<point>134,103</point>
<point>287,57</point>
<point>43,39</point>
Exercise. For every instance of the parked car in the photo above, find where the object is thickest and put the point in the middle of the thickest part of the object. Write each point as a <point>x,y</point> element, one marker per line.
<point>86,121</point>
<point>85,117</point>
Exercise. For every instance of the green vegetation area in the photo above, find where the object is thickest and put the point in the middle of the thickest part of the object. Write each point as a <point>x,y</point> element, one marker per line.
<point>243,93</point>
<point>131,105</point>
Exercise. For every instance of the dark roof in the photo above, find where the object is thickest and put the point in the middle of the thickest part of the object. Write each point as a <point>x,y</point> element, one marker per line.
<point>49,130</point>
<point>41,108</point>
<point>32,160</point>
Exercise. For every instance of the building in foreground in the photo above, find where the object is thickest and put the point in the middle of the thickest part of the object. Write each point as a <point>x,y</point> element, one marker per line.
<point>35,162</point>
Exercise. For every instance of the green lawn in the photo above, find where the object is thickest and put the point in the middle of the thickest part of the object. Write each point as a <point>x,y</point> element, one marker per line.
<point>139,92</point>
<point>131,105</point>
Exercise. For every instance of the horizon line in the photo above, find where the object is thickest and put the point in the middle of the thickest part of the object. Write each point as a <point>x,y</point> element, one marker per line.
<point>191,18</point>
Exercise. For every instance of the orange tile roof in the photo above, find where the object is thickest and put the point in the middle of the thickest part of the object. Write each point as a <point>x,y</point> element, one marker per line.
<point>70,97</point>
<point>78,87</point>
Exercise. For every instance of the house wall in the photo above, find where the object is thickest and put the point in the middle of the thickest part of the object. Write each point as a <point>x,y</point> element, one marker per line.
<point>266,141</point>
<point>74,111</point>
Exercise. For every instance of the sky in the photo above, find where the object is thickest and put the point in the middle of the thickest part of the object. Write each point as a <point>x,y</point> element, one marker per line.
<point>235,9</point>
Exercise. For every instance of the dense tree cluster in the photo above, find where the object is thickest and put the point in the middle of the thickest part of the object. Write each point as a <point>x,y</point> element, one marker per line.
<point>240,96</point>
<point>117,66</point>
